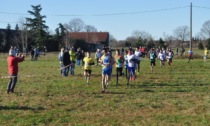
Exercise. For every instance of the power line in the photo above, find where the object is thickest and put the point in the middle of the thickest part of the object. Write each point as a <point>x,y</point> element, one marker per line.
<point>202,7</point>
<point>7,22</point>
<point>13,13</point>
<point>140,12</point>
<point>106,14</point>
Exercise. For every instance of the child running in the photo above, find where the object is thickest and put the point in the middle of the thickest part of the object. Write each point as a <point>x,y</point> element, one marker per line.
<point>126,63</point>
<point>152,57</point>
<point>170,55</point>
<point>88,61</point>
<point>131,66</point>
<point>137,55</point>
<point>206,52</point>
<point>106,63</point>
<point>161,57</point>
<point>190,54</point>
<point>119,65</point>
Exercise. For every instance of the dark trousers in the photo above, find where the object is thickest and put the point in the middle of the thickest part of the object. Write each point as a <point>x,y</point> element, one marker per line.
<point>66,70</point>
<point>12,82</point>
<point>62,69</point>
<point>138,65</point>
<point>118,73</point>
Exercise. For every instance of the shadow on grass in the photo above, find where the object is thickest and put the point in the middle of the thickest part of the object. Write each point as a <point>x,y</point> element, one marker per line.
<point>146,84</point>
<point>113,92</point>
<point>107,92</point>
<point>21,108</point>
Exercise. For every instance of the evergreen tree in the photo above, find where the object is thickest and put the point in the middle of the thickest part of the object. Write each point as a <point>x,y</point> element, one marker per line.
<point>37,26</point>
<point>16,27</point>
<point>161,43</point>
<point>8,37</point>
<point>2,41</point>
<point>16,38</point>
<point>200,46</point>
<point>60,34</point>
<point>208,43</point>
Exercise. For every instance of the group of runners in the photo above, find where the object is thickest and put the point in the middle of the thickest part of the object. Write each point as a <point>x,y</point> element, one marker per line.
<point>126,63</point>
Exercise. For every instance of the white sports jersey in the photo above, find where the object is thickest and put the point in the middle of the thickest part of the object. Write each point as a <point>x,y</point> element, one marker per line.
<point>170,55</point>
<point>137,55</point>
<point>161,56</point>
<point>164,53</point>
<point>130,58</point>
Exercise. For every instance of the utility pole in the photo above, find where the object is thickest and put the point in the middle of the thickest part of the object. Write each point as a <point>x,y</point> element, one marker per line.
<point>191,26</point>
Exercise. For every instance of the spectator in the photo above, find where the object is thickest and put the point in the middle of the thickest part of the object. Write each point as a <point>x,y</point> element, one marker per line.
<point>12,63</point>
<point>72,58</point>
<point>97,56</point>
<point>78,56</point>
<point>45,50</point>
<point>60,59</point>
<point>82,57</point>
<point>32,55</point>
<point>36,53</point>
<point>66,62</point>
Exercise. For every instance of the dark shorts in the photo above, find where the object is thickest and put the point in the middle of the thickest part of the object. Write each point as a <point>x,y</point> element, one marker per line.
<point>119,70</point>
<point>138,61</point>
<point>131,70</point>
<point>88,71</point>
<point>152,63</point>
<point>170,60</point>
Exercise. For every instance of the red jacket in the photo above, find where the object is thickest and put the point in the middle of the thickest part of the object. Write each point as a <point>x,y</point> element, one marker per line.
<point>12,63</point>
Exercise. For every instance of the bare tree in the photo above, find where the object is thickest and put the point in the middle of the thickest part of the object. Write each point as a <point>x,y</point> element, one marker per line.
<point>168,38</point>
<point>75,25</point>
<point>90,28</point>
<point>182,33</point>
<point>22,33</point>
<point>205,30</point>
<point>142,34</point>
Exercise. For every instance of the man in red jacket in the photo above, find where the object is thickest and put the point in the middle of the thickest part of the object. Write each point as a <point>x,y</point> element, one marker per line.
<point>12,63</point>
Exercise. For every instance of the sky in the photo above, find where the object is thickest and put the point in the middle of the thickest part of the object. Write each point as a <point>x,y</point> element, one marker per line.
<point>118,17</point>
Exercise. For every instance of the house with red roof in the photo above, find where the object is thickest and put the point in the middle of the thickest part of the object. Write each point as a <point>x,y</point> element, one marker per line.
<point>93,40</point>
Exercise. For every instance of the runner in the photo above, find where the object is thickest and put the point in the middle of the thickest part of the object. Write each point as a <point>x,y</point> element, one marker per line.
<point>190,54</point>
<point>119,64</point>
<point>170,55</point>
<point>88,61</point>
<point>152,57</point>
<point>131,66</point>
<point>106,63</point>
<point>206,52</point>
<point>126,63</point>
<point>137,56</point>
<point>161,57</point>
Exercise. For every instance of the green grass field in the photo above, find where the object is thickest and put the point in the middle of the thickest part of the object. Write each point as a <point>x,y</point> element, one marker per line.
<point>179,95</point>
